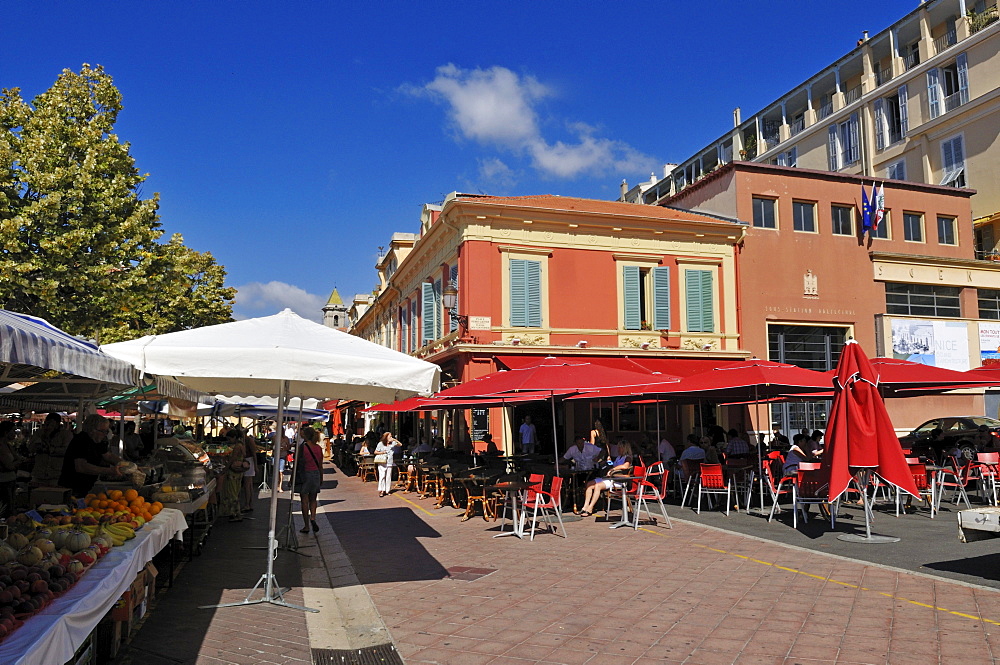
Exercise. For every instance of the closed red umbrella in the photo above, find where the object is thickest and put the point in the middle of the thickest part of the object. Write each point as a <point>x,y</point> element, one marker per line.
<point>860,439</point>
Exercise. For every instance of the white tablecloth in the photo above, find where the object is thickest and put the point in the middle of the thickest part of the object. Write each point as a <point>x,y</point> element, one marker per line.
<point>52,636</point>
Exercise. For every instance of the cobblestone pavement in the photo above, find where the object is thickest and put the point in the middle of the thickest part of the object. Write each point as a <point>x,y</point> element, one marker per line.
<point>444,591</point>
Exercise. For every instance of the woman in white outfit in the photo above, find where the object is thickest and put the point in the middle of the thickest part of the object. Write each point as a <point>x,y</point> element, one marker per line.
<point>387,447</point>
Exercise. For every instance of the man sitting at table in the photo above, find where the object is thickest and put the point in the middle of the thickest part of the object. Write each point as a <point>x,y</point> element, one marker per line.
<point>583,454</point>
<point>736,446</point>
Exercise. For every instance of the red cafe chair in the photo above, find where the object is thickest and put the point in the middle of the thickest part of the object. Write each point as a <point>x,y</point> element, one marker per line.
<point>712,481</point>
<point>546,502</point>
<point>653,486</point>
<point>810,488</point>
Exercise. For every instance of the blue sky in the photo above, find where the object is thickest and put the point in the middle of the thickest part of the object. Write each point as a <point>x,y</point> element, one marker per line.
<point>292,139</point>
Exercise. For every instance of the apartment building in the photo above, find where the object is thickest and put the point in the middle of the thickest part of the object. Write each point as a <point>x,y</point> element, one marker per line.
<point>918,101</point>
<point>810,277</point>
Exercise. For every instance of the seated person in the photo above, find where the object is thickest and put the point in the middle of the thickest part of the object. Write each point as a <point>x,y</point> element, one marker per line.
<point>583,454</point>
<point>711,452</point>
<point>665,451</point>
<point>985,440</point>
<point>736,447</point>
<point>491,445</point>
<point>620,466</point>
<point>798,454</point>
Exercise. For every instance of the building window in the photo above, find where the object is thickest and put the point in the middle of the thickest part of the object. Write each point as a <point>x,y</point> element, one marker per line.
<point>948,87</point>
<point>788,158</point>
<point>843,144</point>
<point>430,301</point>
<point>525,293</point>
<point>414,324</point>
<point>404,328</point>
<point>764,216</point>
<point>646,297</point>
<point>946,230</point>
<point>985,242</point>
<point>812,347</point>
<point>922,300</point>
<point>843,220</point>
<point>913,227</point>
<point>896,170</point>
<point>453,279</point>
<point>699,301</point>
<point>882,230</point>
<point>804,216</point>
<point>953,162</point>
<point>890,119</point>
<point>989,304</point>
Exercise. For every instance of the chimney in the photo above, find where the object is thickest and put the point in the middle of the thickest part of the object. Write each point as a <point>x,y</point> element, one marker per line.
<point>624,188</point>
<point>737,120</point>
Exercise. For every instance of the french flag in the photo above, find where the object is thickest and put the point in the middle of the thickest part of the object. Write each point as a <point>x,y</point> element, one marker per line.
<point>878,206</point>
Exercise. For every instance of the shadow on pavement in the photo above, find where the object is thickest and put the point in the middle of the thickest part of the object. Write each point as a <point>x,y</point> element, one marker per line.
<point>986,566</point>
<point>383,545</point>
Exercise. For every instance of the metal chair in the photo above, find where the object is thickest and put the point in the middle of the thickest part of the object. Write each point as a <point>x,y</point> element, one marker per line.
<point>985,467</point>
<point>925,486</point>
<point>551,501</point>
<point>711,480</point>
<point>653,486</point>
<point>691,470</point>
<point>956,479</point>
<point>809,488</point>
<point>783,486</point>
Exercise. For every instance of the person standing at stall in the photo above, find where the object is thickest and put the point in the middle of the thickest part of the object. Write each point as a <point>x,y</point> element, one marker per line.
<point>87,457</point>
<point>48,444</point>
<point>309,463</point>
<point>385,453</point>
<point>236,466</point>
<point>8,467</point>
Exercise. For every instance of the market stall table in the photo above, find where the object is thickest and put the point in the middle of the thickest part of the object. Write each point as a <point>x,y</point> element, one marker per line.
<point>52,636</point>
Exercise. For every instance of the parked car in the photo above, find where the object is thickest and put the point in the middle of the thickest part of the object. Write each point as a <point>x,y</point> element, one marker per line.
<point>956,431</point>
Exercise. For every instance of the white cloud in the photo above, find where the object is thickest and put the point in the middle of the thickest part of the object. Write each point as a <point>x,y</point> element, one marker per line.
<point>259,299</point>
<point>497,107</point>
<point>495,174</point>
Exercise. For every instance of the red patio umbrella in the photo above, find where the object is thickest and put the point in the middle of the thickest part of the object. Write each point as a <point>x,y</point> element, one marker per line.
<point>905,378</point>
<point>860,439</point>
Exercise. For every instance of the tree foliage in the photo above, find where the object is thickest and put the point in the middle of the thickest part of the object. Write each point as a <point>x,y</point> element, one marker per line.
<point>79,245</point>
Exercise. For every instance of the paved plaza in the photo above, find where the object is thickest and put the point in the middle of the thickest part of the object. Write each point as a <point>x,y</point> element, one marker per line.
<point>397,571</point>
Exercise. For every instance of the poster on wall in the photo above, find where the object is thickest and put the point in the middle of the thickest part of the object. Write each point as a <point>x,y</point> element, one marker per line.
<point>989,343</point>
<point>938,343</point>
<point>480,423</point>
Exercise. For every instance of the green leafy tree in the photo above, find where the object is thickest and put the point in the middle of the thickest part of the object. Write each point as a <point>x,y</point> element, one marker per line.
<point>79,246</point>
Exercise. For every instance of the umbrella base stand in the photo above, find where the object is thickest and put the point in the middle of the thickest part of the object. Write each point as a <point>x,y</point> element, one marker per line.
<point>287,541</point>
<point>873,539</point>
<point>277,597</point>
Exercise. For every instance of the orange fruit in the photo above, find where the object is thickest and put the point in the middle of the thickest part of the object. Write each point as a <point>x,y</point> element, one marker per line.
<point>147,516</point>
<point>131,495</point>
<point>102,496</point>
<point>115,494</point>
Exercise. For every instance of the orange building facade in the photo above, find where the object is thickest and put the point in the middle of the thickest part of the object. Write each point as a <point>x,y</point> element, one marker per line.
<point>617,283</point>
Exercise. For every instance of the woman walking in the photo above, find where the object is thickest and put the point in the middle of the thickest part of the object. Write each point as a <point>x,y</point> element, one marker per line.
<point>250,475</point>
<point>309,461</point>
<point>384,453</point>
<point>236,466</point>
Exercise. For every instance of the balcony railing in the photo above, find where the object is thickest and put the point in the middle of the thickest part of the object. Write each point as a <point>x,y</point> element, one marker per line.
<point>824,110</point>
<point>796,126</point>
<point>852,95</point>
<point>954,100</point>
<point>883,76</point>
<point>911,60</point>
<point>979,21</point>
<point>944,41</point>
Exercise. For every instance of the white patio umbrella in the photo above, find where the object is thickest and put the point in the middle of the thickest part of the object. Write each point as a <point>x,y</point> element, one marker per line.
<point>280,355</point>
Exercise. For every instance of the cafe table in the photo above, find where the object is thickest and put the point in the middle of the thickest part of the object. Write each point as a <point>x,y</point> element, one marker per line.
<point>625,482</point>
<point>514,491</point>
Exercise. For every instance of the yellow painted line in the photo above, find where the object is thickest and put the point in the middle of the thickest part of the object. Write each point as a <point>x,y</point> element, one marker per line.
<point>822,578</point>
<point>415,505</point>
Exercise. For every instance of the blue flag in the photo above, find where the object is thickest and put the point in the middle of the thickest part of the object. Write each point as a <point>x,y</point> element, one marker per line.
<point>866,212</point>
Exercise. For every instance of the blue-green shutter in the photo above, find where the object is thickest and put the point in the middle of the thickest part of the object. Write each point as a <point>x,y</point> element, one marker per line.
<point>518,293</point>
<point>413,325</point>
<point>631,294</point>
<point>404,329</point>
<point>427,312</point>
<point>661,298</point>
<point>453,278</point>
<point>533,275</point>
<point>698,294</point>
<point>438,309</point>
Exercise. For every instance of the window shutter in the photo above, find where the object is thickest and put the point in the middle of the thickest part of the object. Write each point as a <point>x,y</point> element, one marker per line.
<point>700,313</point>
<point>453,278</point>
<point>962,65</point>
<point>404,328</point>
<point>438,314</point>
<point>948,156</point>
<point>630,296</point>
<point>833,157</point>
<point>879,125</point>
<point>661,298</point>
<point>533,279</point>
<point>933,93</point>
<point>793,157</point>
<point>518,293</point>
<point>903,116</point>
<point>781,159</point>
<point>414,314</point>
<point>855,145</point>
<point>427,310</point>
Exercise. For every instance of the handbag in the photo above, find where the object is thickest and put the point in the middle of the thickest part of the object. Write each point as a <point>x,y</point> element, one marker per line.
<point>381,458</point>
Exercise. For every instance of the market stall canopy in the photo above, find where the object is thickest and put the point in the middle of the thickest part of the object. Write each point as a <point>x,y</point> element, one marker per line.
<point>252,356</point>
<point>45,368</point>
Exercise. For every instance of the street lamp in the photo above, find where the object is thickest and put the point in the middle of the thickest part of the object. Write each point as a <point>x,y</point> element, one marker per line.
<point>449,298</point>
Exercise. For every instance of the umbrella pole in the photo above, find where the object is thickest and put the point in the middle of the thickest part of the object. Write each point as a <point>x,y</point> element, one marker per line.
<point>862,477</point>
<point>273,593</point>
<point>555,444</point>
<point>287,540</point>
